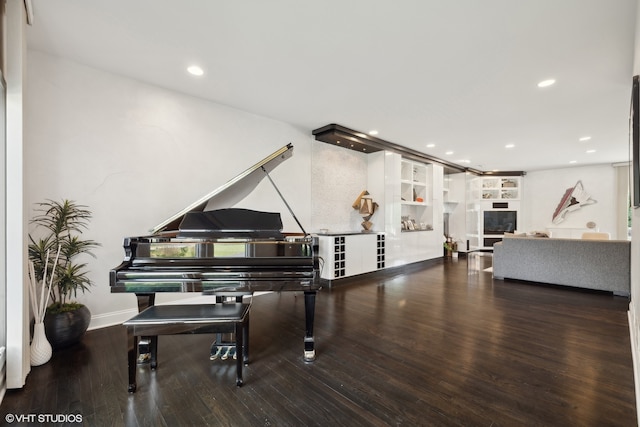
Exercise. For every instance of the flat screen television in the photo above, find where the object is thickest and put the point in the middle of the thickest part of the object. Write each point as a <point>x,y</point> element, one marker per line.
<point>500,222</point>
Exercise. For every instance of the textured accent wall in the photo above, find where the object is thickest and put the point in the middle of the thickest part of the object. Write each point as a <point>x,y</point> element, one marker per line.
<point>338,176</point>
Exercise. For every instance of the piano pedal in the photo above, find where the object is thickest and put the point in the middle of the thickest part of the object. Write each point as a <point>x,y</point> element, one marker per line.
<point>225,356</point>
<point>215,354</point>
<point>233,353</point>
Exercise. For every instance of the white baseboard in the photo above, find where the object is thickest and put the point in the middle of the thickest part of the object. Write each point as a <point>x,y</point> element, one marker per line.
<point>634,333</point>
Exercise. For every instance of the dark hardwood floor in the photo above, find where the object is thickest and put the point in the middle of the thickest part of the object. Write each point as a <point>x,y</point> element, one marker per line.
<point>439,346</point>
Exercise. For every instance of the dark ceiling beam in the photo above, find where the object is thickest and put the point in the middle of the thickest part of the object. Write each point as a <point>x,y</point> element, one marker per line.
<point>358,141</point>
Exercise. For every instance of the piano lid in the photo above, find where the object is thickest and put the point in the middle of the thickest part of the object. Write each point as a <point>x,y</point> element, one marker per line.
<point>232,192</point>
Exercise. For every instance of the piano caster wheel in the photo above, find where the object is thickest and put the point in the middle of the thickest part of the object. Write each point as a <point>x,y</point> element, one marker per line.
<point>239,383</point>
<point>132,388</point>
<point>154,365</point>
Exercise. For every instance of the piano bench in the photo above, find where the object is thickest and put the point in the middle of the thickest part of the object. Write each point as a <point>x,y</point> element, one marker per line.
<point>188,319</point>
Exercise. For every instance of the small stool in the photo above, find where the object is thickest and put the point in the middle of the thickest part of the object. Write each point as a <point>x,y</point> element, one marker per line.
<point>188,319</point>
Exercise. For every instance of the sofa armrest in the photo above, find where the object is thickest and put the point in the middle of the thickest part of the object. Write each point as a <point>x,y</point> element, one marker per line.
<point>498,253</point>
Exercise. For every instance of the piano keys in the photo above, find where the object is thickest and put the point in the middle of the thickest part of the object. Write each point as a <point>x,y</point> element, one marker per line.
<point>213,248</point>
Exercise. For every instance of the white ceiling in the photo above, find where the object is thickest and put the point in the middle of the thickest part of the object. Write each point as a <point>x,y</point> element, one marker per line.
<point>459,74</point>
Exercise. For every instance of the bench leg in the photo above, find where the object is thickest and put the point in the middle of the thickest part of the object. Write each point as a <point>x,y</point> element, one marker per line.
<point>239,352</point>
<point>132,359</point>
<point>153,347</point>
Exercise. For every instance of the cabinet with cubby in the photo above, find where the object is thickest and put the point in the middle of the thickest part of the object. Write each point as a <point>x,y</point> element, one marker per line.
<point>350,254</point>
<point>415,195</point>
<point>501,188</point>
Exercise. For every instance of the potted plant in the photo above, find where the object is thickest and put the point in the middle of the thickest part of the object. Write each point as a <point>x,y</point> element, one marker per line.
<point>447,245</point>
<point>62,224</point>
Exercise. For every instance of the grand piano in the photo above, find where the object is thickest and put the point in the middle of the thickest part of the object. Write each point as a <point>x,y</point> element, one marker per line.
<point>213,248</point>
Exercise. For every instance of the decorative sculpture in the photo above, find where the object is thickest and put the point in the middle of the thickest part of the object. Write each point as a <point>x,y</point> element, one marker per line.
<point>366,207</point>
<point>572,200</point>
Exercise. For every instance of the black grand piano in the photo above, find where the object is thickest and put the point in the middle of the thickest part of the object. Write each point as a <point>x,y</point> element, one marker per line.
<point>213,248</point>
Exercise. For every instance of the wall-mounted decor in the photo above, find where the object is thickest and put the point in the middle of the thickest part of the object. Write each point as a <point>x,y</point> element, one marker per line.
<point>366,207</point>
<point>573,199</point>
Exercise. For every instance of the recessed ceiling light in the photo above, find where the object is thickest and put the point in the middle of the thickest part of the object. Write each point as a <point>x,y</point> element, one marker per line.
<point>195,70</point>
<point>373,132</point>
<point>509,145</point>
<point>584,138</point>
<point>431,145</point>
<point>464,161</point>
<point>573,162</point>
<point>591,151</point>
<point>546,83</point>
<point>448,153</point>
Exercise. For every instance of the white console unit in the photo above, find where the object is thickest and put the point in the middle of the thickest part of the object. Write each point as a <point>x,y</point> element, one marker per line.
<point>350,254</point>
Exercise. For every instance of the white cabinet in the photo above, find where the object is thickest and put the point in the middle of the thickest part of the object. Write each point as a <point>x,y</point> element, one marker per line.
<point>393,180</point>
<point>493,209</point>
<point>361,254</point>
<point>351,254</point>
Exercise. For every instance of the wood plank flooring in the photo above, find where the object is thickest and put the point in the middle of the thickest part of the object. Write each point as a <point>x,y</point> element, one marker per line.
<point>439,346</point>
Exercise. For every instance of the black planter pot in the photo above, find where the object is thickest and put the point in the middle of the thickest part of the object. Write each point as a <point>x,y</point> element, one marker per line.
<point>65,329</point>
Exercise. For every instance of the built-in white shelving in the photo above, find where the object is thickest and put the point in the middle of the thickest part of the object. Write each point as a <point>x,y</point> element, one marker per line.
<point>415,196</point>
<point>493,209</point>
<point>413,182</point>
<point>501,188</point>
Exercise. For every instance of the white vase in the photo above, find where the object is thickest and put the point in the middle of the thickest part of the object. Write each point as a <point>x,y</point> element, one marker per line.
<point>40,348</point>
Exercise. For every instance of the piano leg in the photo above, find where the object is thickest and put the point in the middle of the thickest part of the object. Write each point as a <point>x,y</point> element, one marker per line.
<point>309,311</point>
<point>145,343</point>
<point>132,352</point>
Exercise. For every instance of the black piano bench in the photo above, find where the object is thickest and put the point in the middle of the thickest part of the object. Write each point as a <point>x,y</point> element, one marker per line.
<point>188,319</point>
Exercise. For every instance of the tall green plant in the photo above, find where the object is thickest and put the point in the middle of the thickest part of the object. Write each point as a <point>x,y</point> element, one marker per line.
<point>63,223</point>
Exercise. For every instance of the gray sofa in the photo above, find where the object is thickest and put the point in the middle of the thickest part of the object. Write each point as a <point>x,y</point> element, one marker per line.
<point>592,264</point>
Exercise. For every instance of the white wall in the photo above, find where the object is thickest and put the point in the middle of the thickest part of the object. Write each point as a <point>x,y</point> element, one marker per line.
<point>543,190</point>
<point>136,154</point>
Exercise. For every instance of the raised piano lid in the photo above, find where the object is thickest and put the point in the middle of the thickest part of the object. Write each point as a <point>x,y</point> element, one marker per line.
<point>232,192</point>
